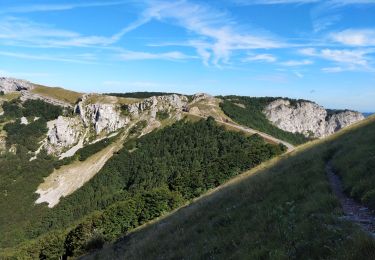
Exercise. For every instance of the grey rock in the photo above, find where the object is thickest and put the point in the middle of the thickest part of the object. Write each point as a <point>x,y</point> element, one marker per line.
<point>308,118</point>
<point>62,133</point>
<point>10,85</point>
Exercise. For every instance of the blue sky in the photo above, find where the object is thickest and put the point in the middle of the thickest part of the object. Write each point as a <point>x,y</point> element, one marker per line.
<point>322,50</point>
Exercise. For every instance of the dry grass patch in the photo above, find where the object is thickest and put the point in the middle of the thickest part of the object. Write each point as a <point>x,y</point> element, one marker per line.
<point>65,95</point>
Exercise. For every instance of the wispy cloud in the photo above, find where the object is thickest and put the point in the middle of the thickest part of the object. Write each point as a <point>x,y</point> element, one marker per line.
<point>57,7</point>
<point>18,31</point>
<point>261,58</point>
<point>355,37</point>
<point>298,74</point>
<point>295,63</point>
<point>344,58</point>
<point>218,32</point>
<point>322,23</point>
<point>332,3</point>
<point>172,56</point>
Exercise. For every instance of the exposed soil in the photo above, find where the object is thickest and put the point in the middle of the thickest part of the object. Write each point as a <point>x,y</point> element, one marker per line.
<point>353,210</point>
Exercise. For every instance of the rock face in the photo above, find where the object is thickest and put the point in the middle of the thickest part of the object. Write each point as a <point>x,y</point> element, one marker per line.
<point>103,117</point>
<point>62,133</point>
<point>10,85</point>
<point>308,118</point>
<point>111,117</point>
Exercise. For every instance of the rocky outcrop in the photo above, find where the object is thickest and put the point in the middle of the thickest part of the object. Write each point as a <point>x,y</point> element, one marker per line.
<point>62,133</point>
<point>201,96</point>
<point>111,117</point>
<point>10,85</point>
<point>342,119</point>
<point>308,118</point>
<point>103,117</point>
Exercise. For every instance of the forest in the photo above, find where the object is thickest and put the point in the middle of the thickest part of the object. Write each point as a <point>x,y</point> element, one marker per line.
<point>154,175</point>
<point>248,111</point>
<point>139,94</point>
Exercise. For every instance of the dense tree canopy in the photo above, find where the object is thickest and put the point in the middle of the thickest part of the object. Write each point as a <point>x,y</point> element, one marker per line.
<point>148,177</point>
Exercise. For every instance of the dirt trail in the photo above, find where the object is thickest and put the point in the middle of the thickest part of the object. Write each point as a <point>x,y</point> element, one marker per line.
<point>353,211</point>
<point>253,131</point>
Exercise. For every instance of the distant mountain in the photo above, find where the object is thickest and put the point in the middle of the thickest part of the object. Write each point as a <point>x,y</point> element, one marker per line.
<point>367,114</point>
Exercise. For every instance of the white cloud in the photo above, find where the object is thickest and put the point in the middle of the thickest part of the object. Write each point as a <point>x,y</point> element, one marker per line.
<point>333,3</point>
<point>346,59</point>
<point>24,32</point>
<point>292,63</point>
<point>57,7</point>
<point>261,57</point>
<point>364,37</point>
<point>298,74</point>
<point>323,23</point>
<point>173,55</point>
<point>219,34</point>
<point>334,69</point>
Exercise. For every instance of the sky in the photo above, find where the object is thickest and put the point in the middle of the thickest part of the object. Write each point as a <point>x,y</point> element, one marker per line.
<point>321,50</point>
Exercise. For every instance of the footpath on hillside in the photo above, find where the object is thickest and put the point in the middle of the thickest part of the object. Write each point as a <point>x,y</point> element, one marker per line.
<point>353,211</point>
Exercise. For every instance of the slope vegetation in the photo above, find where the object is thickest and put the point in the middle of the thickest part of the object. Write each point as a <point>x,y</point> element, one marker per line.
<point>283,209</point>
<point>148,177</point>
<point>247,111</point>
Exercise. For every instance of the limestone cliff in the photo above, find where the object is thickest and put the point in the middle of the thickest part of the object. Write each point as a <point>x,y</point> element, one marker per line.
<point>62,133</point>
<point>10,85</point>
<point>308,118</point>
<point>101,119</point>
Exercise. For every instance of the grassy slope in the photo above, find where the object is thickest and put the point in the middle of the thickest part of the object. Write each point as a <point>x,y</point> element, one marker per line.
<point>283,209</point>
<point>57,93</point>
<point>356,166</point>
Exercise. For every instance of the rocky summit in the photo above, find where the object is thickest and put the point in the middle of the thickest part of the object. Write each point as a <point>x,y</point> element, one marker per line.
<point>309,118</point>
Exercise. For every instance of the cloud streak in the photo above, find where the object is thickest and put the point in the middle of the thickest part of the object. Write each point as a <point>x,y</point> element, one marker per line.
<point>57,7</point>
<point>345,59</point>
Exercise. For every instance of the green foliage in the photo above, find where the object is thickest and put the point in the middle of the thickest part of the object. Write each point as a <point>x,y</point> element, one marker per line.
<point>251,115</point>
<point>138,127</point>
<point>39,108</point>
<point>92,149</point>
<point>167,168</point>
<point>161,115</point>
<point>27,136</point>
<point>139,94</point>
<point>2,93</point>
<point>284,211</point>
<point>12,109</point>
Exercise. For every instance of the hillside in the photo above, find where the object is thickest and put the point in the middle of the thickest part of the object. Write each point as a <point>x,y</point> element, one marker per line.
<point>283,209</point>
<point>85,168</point>
<point>295,121</point>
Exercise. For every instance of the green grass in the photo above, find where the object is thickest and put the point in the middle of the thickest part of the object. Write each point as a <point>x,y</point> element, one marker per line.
<point>248,111</point>
<point>283,209</point>
<point>355,163</point>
